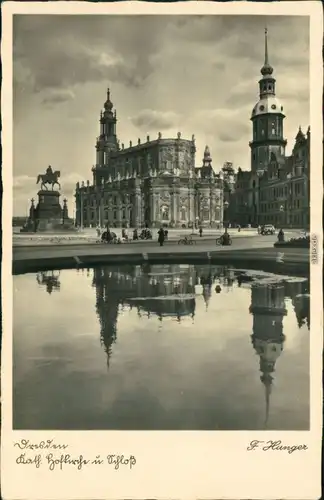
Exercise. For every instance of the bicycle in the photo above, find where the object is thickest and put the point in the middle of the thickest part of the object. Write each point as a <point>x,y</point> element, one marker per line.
<point>220,241</point>
<point>187,240</point>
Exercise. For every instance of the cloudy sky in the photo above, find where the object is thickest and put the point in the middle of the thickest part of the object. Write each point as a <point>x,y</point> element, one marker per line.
<point>194,74</point>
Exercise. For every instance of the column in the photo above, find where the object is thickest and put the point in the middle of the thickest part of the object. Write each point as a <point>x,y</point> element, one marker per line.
<point>212,211</point>
<point>178,218</point>
<point>88,218</point>
<point>152,211</point>
<point>173,206</point>
<point>138,207</point>
<point>102,209</point>
<point>119,210</point>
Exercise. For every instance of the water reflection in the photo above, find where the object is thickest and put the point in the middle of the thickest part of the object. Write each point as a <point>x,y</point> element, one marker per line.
<point>202,303</point>
<point>50,280</point>
<point>268,308</point>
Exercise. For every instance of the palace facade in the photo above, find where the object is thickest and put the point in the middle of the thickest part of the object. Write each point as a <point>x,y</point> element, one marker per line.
<point>150,183</point>
<point>277,188</point>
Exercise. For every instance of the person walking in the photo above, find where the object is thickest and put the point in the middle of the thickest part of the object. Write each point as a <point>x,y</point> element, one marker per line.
<point>200,231</point>
<point>161,236</point>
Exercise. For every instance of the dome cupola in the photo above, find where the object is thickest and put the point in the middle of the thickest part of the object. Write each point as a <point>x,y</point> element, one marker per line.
<point>108,104</point>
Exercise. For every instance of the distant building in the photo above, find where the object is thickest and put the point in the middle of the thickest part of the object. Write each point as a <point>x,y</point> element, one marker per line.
<point>153,183</point>
<point>277,188</point>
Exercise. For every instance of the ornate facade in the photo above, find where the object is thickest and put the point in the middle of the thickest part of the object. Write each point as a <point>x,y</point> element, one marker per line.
<point>153,183</point>
<point>277,188</point>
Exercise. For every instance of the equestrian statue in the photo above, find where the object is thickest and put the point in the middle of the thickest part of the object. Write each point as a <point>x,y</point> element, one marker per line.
<point>50,178</point>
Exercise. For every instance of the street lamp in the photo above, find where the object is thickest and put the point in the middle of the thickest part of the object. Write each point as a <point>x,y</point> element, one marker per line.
<point>282,208</point>
<point>226,205</point>
<point>260,175</point>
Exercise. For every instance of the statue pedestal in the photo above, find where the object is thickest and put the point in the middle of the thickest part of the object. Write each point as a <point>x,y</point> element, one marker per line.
<point>49,211</point>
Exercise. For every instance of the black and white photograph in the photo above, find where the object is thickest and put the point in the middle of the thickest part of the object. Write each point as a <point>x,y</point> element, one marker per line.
<point>162,234</point>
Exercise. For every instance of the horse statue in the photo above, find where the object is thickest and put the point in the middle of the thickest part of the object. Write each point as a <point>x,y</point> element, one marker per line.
<point>49,177</point>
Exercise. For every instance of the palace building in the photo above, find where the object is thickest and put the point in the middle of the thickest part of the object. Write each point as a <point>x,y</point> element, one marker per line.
<point>151,183</point>
<point>277,188</point>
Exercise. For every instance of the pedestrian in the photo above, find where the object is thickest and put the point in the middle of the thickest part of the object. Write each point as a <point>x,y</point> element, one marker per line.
<point>161,236</point>
<point>135,235</point>
<point>200,231</point>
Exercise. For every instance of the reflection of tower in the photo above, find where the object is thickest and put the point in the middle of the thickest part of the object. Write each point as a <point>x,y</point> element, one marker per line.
<point>107,302</point>
<point>268,309</point>
<point>206,282</point>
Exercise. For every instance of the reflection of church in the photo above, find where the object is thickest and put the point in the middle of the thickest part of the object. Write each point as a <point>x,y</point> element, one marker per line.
<point>163,291</point>
<point>268,309</point>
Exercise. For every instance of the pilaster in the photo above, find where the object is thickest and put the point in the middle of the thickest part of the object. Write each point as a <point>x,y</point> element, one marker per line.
<point>138,207</point>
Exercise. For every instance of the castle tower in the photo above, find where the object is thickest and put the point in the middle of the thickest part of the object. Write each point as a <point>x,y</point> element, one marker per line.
<point>267,120</point>
<point>268,309</point>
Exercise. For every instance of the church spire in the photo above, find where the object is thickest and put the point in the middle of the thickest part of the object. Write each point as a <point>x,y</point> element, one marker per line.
<point>266,59</point>
<point>266,69</point>
<point>267,379</point>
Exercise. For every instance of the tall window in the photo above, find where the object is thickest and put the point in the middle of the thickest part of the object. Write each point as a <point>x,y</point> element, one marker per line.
<point>273,128</point>
<point>205,214</point>
<point>183,213</point>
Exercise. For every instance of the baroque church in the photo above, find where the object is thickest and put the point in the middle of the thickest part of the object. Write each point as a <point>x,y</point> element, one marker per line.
<point>150,183</point>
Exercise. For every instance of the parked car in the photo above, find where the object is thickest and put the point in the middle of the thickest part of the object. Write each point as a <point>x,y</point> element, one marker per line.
<point>268,229</point>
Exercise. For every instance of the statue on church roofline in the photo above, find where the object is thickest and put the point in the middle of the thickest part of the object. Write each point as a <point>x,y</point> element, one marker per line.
<point>50,177</point>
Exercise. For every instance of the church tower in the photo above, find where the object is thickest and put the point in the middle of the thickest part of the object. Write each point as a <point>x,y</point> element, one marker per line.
<point>107,141</point>
<point>267,120</point>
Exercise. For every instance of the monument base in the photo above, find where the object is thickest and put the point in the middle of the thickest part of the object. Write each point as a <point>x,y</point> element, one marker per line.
<point>50,216</point>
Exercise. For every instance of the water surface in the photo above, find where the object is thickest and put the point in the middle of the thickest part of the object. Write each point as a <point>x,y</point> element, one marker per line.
<point>175,347</point>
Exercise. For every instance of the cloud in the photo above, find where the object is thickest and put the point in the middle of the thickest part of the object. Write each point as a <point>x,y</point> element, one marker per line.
<point>76,50</point>
<point>149,119</point>
<point>23,182</point>
<point>227,125</point>
<point>57,96</point>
